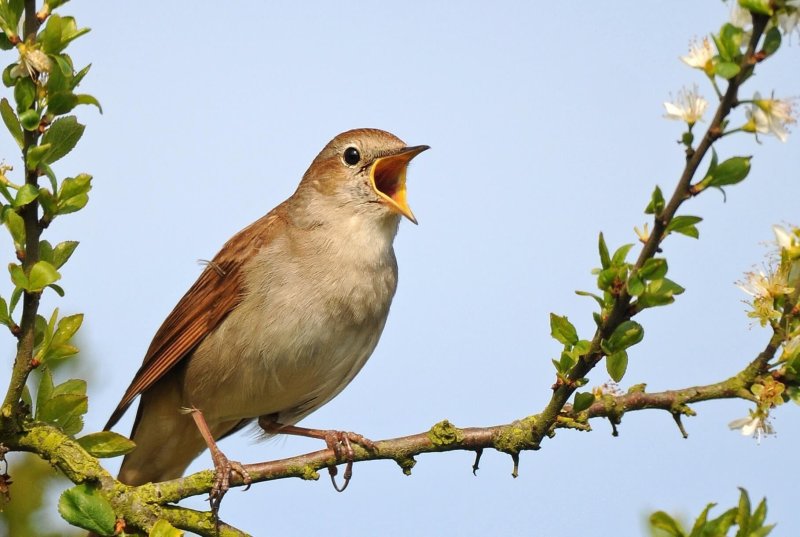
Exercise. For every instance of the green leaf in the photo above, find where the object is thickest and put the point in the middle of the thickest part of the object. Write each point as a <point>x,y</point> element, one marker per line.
<point>73,187</point>
<point>24,94</point>
<point>656,205</point>
<point>61,102</point>
<point>760,514</point>
<point>162,528</point>
<point>12,121</point>
<point>666,523</point>
<point>48,202</point>
<point>654,268</point>
<point>743,514</point>
<point>635,285</point>
<point>729,42</point>
<point>62,252</point>
<point>616,365</point>
<point>30,119</point>
<point>772,41</point>
<point>67,327</point>
<point>5,318</point>
<point>700,522</point>
<point>42,274</point>
<point>70,387</point>
<point>89,99</point>
<point>685,225</point>
<point>16,227</point>
<point>36,155</point>
<point>50,37</point>
<point>83,506</point>
<point>79,76</point>
<point>106,444</point>
<point>605,259</point>
<point>627,334</point>
<point>65,411</point>
<point>594,296</point>
<point>721,524</point>
<point>563,330</point>
<point>758,6</point>
<point>18,277</point>
<point>619,256</point>
<point>583,400</point>
<point>730,172</point>
<point>25,195</point>
<point>659,293</point>
<point>16,294</point>
<point>45,391</point>
<point>62,135</point>
<point>726,70</point>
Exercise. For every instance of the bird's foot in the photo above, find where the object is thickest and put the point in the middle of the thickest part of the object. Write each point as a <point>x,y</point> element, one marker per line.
<point>340,442</point>
<point>223,467</point>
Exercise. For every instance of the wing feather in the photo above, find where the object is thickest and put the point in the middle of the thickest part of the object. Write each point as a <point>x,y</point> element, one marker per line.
<point>213,296</point>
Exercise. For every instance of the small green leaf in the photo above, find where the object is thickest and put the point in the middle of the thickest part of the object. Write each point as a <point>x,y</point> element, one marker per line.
<point>18,277</point>
<point>726,70</point>
<point>635,285</point>
<point>65,411</point>
<point>162,528</point>
<point>743,514</point>
<point>684,224</point>
<point>70,387</point>
<point>62,252</point>
<point>16,294</point>
<point>772,41</point>
<point>583,400</point>
<point>616,365</point>
<point>61,102</point>
<point>763,7</point>
<point>83,506</point>
<point>605,258</point>
<point>30,119</point>
<point>62,135</point>
<point>12,121</point>
<point>76,186</point>
<point>36,155</point>
<point>16,227</point>
<point>25,195</point>
<point>563,330</point>
<point>106,444</point>
<point>45,390</point>
<point>42,274</point>
<point>730,172</point>
<point>24,94</point>
<point>598,299</point>
<point>67,327</point>
<point>729,42</point>
<point>619,256</point>
<point>50,36</point>
<point>666,523</point>
<point>88,99</point>
<point>5,318</point>
<point>700,522</point>
<point>627,334</point>
<point>656,205</point>
<point>654,268</point>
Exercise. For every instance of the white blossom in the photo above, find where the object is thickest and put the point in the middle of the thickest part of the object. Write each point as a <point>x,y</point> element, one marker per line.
<point>688,106</point>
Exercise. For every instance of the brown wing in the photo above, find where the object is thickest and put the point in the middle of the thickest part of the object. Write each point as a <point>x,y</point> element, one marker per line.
<point>215,293</point>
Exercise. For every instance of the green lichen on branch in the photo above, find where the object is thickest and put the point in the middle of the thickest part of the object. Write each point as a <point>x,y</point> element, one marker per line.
<point>445,433</point>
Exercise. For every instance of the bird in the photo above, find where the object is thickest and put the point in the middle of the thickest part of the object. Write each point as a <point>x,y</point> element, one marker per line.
<point>280,320</point>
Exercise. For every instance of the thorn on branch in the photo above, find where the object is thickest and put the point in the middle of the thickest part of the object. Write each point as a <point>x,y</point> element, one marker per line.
<point>475,467</point>
<point>677,417</point>
<point>515,459</point>
<point>614,431</point>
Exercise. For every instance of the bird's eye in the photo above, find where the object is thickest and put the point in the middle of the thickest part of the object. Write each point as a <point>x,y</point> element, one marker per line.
<point>351,156</point>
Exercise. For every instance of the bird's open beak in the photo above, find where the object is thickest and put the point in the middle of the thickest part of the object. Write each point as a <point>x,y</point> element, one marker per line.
<point>388,178</point>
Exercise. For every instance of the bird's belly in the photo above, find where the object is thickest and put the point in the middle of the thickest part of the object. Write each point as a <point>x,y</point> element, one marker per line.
<point>292,360</point>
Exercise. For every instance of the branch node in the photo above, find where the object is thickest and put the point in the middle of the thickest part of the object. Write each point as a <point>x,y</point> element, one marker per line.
<point>406,464</point>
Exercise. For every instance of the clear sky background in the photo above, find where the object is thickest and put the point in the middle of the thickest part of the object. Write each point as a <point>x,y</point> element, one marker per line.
<point>545,123</point>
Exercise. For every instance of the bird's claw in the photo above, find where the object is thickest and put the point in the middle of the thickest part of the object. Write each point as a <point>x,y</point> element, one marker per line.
<point>223,470</point>
<point>341,443</point>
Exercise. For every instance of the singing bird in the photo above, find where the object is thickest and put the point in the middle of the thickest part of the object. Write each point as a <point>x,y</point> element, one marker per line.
<point>282,318</point>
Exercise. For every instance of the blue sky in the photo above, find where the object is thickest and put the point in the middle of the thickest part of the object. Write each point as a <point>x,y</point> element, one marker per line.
<point>545,123</point>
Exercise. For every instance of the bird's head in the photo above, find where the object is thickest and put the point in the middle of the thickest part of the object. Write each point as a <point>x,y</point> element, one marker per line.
<point>364,170</point>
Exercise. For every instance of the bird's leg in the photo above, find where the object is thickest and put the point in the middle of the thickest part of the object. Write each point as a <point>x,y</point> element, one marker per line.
<point>223,467</point>
<point>337,441</point>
